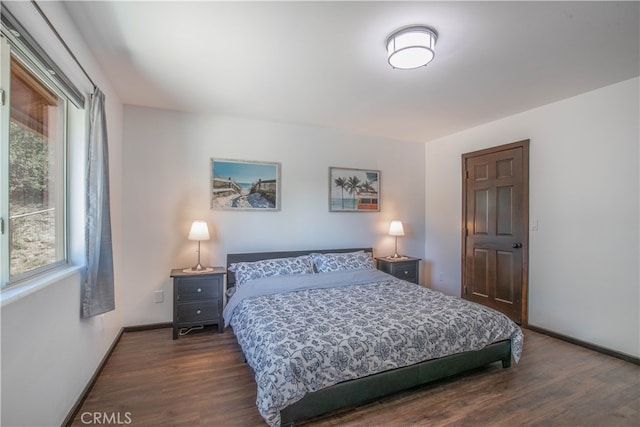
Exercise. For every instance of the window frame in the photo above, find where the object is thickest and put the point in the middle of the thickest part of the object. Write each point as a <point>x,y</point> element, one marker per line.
<point>12,48</point>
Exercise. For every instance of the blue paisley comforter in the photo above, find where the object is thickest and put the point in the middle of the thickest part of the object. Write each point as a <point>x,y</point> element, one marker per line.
<point>302,333</point>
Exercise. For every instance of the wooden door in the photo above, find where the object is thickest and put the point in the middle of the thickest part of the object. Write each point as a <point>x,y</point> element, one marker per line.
<point>495,211</point>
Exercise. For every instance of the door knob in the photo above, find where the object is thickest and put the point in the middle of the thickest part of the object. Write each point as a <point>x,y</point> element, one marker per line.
<point>516,245</point>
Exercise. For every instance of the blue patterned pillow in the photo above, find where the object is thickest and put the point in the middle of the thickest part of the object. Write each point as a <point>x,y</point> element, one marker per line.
<point>246,271</point>
<point>342,261</point>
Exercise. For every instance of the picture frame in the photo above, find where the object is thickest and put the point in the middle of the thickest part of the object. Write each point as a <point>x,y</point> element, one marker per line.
<point>354,190</point>
<point>244,185</point>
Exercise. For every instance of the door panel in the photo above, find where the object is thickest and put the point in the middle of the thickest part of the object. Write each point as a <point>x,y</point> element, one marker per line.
<point>505,168</point>
<point>481,212</point>
<point>480,264</point>
<point>504,214</point>
<point>504,277</point>
<point>495,228</point>
<point>481,172</point>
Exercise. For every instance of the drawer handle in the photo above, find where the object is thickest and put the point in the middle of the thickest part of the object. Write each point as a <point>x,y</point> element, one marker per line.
<point>406,272</point>
<point>198,311</point>
<point>199,289</point>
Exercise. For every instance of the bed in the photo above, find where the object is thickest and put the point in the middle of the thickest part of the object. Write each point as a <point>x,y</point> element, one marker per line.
<point>324,330</point>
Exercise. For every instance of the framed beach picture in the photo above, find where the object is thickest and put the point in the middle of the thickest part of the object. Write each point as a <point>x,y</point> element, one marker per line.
<point>354,190</point>
<point>245,185</point>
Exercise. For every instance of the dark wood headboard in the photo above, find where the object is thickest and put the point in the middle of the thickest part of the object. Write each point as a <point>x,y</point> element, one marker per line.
<point>257,256</point>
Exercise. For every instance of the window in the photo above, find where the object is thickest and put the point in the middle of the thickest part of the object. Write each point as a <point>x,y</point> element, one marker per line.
<point>33,206</point>
<point>36,173</point>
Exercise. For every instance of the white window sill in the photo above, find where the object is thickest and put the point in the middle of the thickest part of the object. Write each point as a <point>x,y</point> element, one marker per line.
<point>17,292</point>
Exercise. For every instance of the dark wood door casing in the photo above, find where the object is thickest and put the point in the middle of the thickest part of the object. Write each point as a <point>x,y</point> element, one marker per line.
<point>495,228</point>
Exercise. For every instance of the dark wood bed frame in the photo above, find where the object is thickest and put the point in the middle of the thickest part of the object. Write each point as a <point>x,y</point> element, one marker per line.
<point>363,390</point>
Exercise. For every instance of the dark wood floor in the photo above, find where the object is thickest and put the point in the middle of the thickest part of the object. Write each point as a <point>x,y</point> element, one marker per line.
<point>201,380</point>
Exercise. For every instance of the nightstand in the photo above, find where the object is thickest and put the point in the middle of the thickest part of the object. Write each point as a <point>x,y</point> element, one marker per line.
<point>197,299</point>
<point>405,268</point>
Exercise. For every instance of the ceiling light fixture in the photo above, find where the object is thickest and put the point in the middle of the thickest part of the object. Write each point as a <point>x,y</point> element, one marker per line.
<point>411,47</point>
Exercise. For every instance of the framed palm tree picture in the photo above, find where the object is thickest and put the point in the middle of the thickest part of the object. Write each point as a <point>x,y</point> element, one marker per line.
<point>354,190</point>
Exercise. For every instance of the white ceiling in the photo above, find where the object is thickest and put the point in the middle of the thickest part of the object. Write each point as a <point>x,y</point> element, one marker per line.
<point>324,63</point>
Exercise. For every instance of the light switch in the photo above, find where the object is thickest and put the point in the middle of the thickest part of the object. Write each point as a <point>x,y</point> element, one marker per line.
<point>533,225</point>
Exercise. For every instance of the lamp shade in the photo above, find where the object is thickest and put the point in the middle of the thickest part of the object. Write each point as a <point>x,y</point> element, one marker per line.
<point>411,47</point>
<point>199,231</point>
<point>396,229</point>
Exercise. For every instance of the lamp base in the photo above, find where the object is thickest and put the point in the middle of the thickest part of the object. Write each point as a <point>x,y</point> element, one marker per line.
<point>397,257</point>
<point>194,270</point>
<point>198,268</point>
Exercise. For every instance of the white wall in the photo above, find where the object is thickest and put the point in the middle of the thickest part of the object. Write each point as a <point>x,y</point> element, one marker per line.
<point>48,354</point>
<point>584,189</point>
<point>167,171</point>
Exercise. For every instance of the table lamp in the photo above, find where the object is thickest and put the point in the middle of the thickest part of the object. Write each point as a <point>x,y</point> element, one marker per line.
<point>199,231</point>
<point>396,229</point>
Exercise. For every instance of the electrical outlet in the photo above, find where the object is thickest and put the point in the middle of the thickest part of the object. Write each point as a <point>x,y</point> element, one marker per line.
<point>159,296</point>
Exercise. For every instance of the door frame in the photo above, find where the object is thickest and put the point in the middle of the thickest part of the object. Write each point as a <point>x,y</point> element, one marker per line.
<point>524,144</point>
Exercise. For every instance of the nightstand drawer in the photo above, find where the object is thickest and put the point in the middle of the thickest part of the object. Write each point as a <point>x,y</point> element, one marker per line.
<point>190,289</point>
<point>405,270</point>
<point>198,311</point>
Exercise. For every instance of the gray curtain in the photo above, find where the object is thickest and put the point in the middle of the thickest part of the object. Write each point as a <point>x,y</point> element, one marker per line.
<point>98,284</point>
